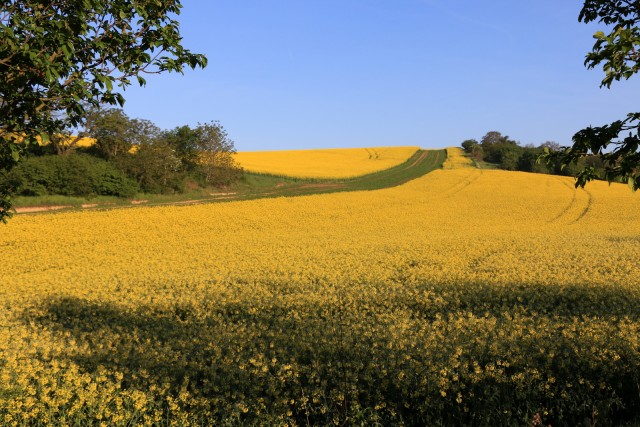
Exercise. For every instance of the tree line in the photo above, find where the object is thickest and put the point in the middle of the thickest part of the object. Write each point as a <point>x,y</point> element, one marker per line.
<point>502,152</point>
<point>127,156</point>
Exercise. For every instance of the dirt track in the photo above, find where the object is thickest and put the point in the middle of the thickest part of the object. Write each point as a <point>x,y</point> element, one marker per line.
<point>423,161</point>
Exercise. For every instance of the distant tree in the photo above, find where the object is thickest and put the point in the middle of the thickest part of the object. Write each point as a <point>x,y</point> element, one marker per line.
<point>477,153</point>
<point>617,144</point>
<point>495,145</point>
<point>143,131</point>
<point>528,161</point>
<point>138,147</point>
<point>493,137</point>
<point>469,144</point>
<point>490,143</point>
<point>116,133</point>
<point>186,143</point>
<point>57,55</point>
<point>112,129</point>
<point>216,151</point>
<point>509,155</point>
<point>551,145</point>
<point>155,166</point>
<point>206,149</point>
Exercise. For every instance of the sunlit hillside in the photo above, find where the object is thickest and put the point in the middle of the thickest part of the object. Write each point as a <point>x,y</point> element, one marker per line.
<point>325,163</point>
<point>463,296</point>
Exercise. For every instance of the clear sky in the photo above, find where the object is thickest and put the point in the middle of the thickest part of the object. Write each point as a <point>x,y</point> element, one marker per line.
<point>287,74</point>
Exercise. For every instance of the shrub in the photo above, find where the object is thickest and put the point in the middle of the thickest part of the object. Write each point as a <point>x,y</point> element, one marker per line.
<point>78,175</point>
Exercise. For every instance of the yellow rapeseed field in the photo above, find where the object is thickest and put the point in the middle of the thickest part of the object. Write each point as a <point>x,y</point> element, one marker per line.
<point>456,159</point>
<point>465,297</point>
<point>326,163</point>
<point>79,142</point>
<point>82,142</point>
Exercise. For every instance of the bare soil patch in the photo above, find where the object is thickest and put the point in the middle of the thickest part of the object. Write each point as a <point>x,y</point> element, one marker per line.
<point>31,209</point>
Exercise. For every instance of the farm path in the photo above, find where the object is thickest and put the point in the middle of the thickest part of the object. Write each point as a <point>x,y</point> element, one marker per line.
<point>421,163</point>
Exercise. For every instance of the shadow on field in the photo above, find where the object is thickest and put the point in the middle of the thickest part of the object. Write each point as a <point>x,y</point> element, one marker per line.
<point>568,301</point>
<point>417,355</point>
<point>250,366</point>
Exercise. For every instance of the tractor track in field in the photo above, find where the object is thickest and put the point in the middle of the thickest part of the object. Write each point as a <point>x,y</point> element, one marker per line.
<point>586,209</point>
<point>469,179</point>
<point>419,164</point>
<point>565,213</point>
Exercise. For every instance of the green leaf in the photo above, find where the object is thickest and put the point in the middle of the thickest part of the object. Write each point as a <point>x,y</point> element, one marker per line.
<point>15,152</point>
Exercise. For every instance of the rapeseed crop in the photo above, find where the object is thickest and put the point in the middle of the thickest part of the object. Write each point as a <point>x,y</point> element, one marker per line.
<point>456,159</point>
<point>325,163</point>
<point>465,297</point>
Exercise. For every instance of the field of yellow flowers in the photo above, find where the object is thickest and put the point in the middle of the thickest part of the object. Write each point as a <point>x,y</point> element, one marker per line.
<point>456,159</point>
<point>465,297</point>
<point>326,163</point>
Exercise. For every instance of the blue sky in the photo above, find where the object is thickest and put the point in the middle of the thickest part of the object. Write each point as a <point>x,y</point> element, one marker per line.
<point>289,74</point>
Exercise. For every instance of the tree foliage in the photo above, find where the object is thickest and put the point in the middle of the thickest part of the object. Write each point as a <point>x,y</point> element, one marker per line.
<point>113,131</point>
<point>205,150</point>
<point>499,149</point>
<point>216,150</point>
<point>57,56</point>
<point>155,166</point>
<point>618,52</point>
<point>79,175</point>
<point>469,145</point>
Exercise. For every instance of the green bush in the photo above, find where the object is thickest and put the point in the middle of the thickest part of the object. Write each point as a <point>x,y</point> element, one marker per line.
<point>78,175</point>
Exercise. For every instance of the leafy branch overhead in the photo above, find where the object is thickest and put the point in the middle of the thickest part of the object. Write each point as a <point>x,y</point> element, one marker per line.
<point>58,57</point>
<point>618,52</point>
